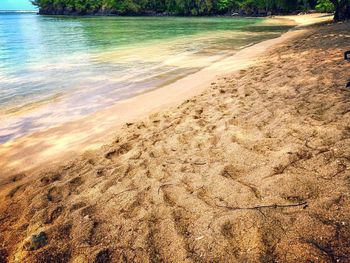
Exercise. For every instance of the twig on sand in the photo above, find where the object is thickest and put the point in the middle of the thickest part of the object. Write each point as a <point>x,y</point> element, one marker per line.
<point>258,207</point>
<point>199,163</point>
<point>167,127</point>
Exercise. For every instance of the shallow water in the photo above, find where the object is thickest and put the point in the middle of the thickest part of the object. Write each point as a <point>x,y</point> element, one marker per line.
<point>56,69</point>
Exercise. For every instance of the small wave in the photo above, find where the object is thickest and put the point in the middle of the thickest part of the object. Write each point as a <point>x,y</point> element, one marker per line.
<point>17,11</point>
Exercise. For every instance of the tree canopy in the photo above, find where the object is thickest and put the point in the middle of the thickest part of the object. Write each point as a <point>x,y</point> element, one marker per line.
<point>190,7</point>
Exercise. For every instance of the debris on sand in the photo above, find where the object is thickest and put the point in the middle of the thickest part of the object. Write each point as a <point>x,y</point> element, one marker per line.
<point>36,241</point>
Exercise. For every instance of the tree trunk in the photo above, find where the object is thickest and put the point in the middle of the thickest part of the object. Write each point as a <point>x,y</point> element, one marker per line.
<point>336,13</point>
<point>342,9</point>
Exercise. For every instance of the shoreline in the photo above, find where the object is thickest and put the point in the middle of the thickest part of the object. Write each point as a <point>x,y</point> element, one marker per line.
<point>233,14</point>
<point>29,152</point>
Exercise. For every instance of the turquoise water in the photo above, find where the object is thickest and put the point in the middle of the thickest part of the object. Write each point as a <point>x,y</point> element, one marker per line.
<point>56,69</point>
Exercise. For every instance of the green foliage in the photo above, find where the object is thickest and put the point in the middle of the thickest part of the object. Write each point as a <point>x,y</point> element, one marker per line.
<point>324,6</point>
<point>176,7</point>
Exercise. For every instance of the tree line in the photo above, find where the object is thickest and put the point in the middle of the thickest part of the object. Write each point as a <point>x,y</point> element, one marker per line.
<point>191,7</point>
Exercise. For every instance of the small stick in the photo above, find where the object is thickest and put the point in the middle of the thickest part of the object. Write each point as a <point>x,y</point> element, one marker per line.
<point>199,163</point>
<point>305,204</point>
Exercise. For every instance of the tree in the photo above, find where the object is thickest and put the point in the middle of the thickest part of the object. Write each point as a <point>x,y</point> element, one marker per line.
<point>189,7</point>
<point>341,7</point>
<point>324,6</point>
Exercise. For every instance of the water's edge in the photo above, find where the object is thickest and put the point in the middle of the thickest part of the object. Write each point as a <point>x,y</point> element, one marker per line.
<point>59,84</point>
<point>70,139</point>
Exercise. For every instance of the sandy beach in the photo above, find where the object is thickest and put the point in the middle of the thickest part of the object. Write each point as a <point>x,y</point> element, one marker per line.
<point>247,166</point>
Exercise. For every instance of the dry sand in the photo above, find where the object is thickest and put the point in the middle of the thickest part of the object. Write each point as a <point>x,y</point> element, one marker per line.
<point>253,169</point>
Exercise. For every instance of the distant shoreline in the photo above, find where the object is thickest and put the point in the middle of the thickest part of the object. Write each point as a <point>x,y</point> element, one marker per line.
<point>155,14</point>
<point>234,15</point>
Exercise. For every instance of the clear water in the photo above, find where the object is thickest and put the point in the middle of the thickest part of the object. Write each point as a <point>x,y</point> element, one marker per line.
<point>56,69</point>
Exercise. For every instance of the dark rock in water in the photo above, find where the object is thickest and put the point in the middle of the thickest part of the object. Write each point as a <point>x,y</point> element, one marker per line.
<point>36,241</point>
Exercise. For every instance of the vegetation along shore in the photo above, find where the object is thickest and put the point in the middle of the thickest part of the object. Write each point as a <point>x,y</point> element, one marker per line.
<point>191,7</point>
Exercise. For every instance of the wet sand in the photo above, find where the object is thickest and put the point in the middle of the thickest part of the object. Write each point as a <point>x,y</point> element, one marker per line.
<point>252,168</point>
